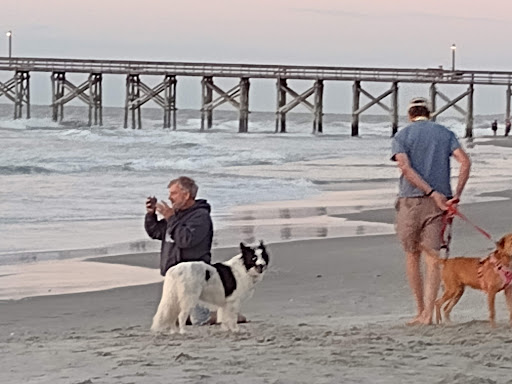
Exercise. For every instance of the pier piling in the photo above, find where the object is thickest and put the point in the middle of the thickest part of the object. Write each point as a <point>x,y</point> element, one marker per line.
<point>394,107</point>
<point>356,89</point>
<point>58,79</point>
<point>244,105</point>
<point>507,108</point>
<point>22,94</point>
<point>433,96</point>
<point>318,107</point>
<point>281,102</point>
<point>206,103</point>
<point>469,115</point>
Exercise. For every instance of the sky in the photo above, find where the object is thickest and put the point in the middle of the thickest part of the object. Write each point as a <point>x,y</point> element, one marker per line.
<point>372,33</point>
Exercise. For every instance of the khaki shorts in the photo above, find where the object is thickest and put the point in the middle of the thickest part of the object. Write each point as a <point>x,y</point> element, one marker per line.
<point>418,221</point>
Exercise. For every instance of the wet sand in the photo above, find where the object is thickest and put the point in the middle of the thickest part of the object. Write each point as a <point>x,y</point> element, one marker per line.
<point>498,141</point>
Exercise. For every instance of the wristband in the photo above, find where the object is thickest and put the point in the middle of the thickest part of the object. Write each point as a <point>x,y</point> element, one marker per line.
<point>431,192</point>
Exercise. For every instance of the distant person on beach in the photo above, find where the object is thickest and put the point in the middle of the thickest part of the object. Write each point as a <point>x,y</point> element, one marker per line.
<point>494,127</point>
<point>507,127</point>
<point>422,151</point>
<point>186,231</point>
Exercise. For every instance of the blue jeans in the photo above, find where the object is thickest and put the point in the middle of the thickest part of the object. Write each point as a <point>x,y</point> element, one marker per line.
<point>200,315</point>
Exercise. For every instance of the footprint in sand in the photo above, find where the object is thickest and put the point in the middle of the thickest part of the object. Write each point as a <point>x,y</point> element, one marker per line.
<point>185,357</point>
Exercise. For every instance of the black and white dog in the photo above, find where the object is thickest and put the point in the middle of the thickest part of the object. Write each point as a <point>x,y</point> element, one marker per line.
<point>224,285</point>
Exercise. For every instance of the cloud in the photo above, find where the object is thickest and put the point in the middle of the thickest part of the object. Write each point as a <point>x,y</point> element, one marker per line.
<point>454,18</point>
<point>399,15</point>
<point>329,12</point>
<point>38,27</point>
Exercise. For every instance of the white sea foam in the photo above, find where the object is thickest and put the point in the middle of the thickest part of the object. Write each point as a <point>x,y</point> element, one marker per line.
<point>59,181</point>
<point>31,124</point>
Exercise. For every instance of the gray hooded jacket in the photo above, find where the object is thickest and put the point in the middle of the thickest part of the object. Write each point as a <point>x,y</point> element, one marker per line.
<point>186,236</point>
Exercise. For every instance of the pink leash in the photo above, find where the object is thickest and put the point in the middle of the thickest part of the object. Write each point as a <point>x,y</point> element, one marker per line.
<point>452,211</point>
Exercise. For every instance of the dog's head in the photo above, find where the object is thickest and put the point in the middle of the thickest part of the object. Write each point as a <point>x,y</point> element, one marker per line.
<point>255,259</point>
<point>505,244</point>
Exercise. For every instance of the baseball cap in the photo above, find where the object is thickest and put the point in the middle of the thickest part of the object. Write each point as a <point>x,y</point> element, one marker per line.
<point>418,102</point>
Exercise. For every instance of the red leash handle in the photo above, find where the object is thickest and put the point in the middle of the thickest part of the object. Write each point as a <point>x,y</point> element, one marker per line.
<point>446,230</point>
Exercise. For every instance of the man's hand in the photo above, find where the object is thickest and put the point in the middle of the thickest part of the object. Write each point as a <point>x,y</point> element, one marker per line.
<point>440,200</point>
<point>454,201</point>
<point>151,204</point>
<point>163,209</point>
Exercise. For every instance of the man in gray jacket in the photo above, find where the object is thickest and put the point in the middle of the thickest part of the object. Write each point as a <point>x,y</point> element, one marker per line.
<point>186,230</point>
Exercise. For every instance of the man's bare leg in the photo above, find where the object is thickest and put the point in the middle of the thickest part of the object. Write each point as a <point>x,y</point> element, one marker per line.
<point>432,284</point>
<point>413,270</point>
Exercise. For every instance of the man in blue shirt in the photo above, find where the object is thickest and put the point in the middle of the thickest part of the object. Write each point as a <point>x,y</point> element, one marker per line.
<point>422,151</point>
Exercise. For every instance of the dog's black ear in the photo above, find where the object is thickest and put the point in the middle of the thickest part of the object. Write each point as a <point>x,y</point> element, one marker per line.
<point>262,246</point>
<point>243,247</point>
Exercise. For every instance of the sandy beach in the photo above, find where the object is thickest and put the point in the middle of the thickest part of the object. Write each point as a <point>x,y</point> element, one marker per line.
<point>328,311</point>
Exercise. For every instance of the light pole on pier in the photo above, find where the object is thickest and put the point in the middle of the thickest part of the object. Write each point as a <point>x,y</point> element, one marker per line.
<point>9,36</point>
<point>454,48</point>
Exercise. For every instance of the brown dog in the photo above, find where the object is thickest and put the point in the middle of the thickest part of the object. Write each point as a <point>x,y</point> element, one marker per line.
<point>486,275</point>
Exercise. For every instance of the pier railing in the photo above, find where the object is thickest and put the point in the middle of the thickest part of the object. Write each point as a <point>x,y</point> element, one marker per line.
<point>263,71</point>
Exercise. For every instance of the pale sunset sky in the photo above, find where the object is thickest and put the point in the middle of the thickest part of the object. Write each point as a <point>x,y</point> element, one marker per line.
<point>380,33</point>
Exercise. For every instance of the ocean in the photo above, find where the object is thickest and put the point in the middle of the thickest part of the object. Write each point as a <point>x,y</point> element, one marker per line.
<point>69,190</point>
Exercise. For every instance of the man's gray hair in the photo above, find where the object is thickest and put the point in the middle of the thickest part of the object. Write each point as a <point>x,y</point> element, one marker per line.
<point>187,184</point>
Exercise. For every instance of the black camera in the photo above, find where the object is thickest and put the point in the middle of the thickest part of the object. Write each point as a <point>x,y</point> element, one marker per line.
<point>151,201</point>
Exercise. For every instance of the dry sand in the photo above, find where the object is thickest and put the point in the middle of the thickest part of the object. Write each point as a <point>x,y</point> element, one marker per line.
<point>328,311</point>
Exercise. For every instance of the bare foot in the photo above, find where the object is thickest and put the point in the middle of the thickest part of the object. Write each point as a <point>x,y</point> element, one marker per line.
<point>424,320</point>
<point>415,320</point>
<point>421,319</point>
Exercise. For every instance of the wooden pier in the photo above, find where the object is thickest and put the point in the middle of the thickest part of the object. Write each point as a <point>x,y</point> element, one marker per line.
<point>17,89</point>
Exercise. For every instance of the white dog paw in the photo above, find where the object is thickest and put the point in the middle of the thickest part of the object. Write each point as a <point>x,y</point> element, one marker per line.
<point>230,328</point>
